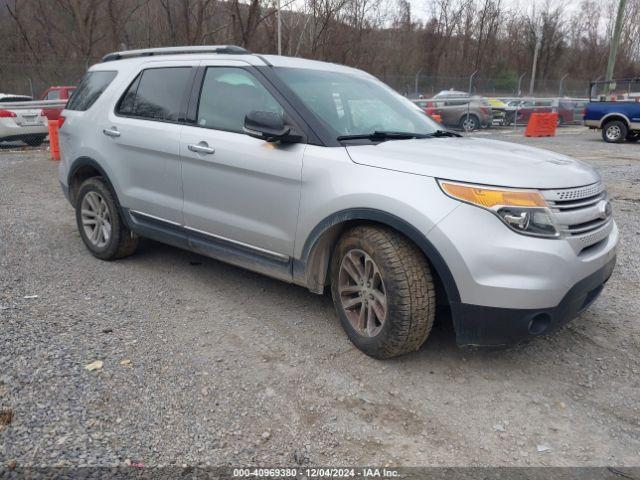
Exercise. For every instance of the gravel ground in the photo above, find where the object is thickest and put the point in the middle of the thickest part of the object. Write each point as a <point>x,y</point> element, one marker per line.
<point>207,364</point>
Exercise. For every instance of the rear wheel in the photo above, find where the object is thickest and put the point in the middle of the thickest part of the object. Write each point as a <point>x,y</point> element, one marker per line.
<point>100,224</point>
<point>614,132</point>
<point>383,291</point>
<point>469,123</point>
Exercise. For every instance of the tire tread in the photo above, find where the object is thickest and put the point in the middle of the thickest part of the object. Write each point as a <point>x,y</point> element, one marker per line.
<point>409,280</point>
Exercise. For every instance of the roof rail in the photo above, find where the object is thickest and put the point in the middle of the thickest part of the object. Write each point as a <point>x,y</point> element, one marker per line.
<point>148,52</point>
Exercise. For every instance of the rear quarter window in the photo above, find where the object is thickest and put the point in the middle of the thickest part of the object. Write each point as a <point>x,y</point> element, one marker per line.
<point>89,90</point>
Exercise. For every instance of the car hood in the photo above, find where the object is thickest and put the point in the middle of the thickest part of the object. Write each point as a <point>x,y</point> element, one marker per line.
<point>488,162</point>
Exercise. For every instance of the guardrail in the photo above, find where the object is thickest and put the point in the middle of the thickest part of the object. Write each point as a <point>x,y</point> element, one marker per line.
<point>32,104</point>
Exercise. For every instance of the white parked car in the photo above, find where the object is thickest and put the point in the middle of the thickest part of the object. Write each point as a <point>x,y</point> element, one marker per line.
<point>21,121</point>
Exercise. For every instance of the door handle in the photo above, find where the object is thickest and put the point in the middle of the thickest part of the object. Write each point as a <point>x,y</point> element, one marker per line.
<point>111,132</point>
<point>201,148</point>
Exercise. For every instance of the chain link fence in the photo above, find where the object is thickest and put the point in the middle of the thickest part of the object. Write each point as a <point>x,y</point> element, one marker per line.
<point>424,85</point>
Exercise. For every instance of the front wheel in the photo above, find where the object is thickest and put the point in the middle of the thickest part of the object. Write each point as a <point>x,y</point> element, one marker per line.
<point>614,132</point>
<point>100,224</point>
<point>383,291</point>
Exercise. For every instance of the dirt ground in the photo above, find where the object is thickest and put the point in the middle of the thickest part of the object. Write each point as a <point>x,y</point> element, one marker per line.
<point>208,364</point>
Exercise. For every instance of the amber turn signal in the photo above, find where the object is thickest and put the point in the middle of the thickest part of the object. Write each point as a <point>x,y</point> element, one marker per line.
<point>490,197</point>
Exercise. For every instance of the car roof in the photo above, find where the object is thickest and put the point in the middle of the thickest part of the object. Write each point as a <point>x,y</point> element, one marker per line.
<point>133,58</point>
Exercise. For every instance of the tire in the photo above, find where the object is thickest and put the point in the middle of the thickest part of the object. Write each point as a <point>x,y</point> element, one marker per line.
<point>469,123</point>
<point>401,273</point>
<point>614,132</point>
<point>34,141</point>
<point>633,136</point>
<point>117,241</point>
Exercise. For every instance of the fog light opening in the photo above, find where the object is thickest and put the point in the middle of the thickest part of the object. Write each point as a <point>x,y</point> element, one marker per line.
<point>539,324</point>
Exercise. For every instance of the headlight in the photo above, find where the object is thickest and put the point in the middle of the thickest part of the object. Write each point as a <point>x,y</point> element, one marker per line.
<point>524,211</point>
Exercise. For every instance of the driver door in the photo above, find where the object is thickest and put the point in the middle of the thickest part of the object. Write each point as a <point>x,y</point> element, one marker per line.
<point>241,194</point>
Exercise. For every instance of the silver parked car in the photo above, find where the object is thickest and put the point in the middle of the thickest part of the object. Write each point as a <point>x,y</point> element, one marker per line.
<point>321,175</point>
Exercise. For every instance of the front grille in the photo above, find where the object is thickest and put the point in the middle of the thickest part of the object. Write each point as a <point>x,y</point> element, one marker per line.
<point>580,212</point>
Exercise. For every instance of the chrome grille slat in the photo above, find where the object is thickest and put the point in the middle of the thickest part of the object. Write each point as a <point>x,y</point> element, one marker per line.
<point>567,194</point>
<point>578,216</point>
<point>578,204</point>
<point>588,227</point>
<point>578,212</point>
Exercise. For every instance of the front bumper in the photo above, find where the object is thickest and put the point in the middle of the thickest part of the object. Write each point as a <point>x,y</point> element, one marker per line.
<point>482,326</point>
<point>511,286</point>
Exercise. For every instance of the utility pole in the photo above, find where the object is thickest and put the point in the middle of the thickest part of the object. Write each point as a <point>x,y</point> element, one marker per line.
<point>535,65</point>
<point>279,30</point>
<point>613,51</point>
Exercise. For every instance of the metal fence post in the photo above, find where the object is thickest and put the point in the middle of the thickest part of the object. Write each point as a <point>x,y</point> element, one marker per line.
<point>519,92</point>
<point>561,88</point>
<point>471,81</point>
<point>417,81</point>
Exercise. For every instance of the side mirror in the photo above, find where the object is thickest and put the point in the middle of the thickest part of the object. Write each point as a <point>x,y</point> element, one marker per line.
<point>269,126</point>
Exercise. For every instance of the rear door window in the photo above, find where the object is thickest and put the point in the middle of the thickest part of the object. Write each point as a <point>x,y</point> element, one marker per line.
<point>156,94</point>
<point>89,90</point>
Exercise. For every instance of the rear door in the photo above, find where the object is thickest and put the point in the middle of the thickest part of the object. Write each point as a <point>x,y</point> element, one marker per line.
<point>142,138</point>
<point>238,190</point>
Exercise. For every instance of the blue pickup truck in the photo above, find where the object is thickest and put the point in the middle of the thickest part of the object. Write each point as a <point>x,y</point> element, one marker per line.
<point>616,114</point>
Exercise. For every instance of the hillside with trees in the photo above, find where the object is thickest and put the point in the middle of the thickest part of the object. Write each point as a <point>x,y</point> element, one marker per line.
<point>53,41</point>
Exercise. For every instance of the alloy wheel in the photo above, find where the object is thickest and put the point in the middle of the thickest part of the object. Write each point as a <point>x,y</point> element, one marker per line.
<point>96,219</point>
<point>363,296</point>
<point>469,124</point>
<point>614,132</point>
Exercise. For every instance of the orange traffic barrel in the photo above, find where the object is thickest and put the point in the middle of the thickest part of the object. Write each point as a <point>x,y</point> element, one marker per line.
<point>542,125</point>
<point>54,140</point>
<point>437,118</point>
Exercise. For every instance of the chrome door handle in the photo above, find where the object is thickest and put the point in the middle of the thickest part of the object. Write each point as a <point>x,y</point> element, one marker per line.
<point>111,132</point>
<point>201,148</point>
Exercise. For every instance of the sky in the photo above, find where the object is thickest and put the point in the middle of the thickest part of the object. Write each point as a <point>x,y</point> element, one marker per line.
<point>420,8</point>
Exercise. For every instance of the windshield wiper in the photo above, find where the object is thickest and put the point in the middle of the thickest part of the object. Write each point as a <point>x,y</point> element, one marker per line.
<point>383,135</point>
<point>444,133</point>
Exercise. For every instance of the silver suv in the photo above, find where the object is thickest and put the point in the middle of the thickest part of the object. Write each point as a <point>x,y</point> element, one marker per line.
<point>320,175</point>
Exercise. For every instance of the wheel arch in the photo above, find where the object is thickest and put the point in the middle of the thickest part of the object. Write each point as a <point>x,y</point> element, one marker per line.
<point>610,117</point>
<point>311,270</point>
<point>81,169</point>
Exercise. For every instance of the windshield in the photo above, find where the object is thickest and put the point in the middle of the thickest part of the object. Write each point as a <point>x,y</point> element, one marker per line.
<point>351,104</point>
